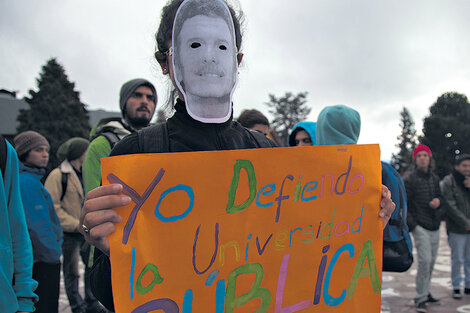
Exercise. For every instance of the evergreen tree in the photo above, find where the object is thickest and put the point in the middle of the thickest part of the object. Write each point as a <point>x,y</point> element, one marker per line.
<point>447,130</point>
<point>406,143</point>
<point>287,110</point>
<point>55,109</point>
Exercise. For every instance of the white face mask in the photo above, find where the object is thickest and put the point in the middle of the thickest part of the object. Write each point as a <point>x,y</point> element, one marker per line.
<point>205,59</point>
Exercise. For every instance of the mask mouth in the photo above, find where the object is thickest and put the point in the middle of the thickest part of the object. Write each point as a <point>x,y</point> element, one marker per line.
<point>215,75</point>
<point>210,71</point>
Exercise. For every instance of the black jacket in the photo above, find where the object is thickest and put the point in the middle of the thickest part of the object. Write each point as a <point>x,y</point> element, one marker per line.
<point>184,135</point>
<point>421,188</point>
<point>458,203</point>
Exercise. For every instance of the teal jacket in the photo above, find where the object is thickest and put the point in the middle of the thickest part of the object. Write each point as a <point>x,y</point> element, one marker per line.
<point>338,125</point>
<point>43,224</point>
<point>16,254</point>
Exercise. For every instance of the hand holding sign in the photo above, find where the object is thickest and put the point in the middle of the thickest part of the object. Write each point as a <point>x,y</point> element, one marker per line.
<point>386,205</point>
<point>200,222</point>
<point>98,214</point>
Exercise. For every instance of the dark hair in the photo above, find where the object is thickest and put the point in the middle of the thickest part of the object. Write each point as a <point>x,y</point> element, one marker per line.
<point>165,30</point>
<point>461,158</point>
<point>24,156</point>
<point>249,118</point>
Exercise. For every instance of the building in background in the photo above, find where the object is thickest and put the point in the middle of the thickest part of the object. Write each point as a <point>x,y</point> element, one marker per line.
<point>10,107</point>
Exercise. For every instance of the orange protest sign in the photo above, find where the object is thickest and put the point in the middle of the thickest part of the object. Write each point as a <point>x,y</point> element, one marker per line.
<point>263,230</point>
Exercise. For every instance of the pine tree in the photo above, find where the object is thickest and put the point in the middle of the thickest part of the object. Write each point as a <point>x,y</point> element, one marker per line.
<point>55,109</point>
<point>407,142</point>
<point>447,130</point>
<point>287,110</point>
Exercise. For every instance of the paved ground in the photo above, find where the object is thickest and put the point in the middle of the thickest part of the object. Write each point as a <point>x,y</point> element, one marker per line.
<point>398,289</point>
<point>63,301</point>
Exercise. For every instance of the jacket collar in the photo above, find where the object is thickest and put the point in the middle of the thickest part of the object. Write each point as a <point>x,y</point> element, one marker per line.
<point>66,167</point>
<point>422,173</point>
<point>459,178</point>
<point>40,172</point>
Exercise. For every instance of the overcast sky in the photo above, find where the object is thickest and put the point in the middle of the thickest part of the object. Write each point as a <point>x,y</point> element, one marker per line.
<point>375,56</point>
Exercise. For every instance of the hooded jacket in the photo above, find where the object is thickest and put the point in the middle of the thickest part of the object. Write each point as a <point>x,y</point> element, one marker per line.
<point>43,224</point>
<point>16,254</point>
<point>309,127</point>
<point>68,209</point>
<point>100,148</point>
<point>338,125</point>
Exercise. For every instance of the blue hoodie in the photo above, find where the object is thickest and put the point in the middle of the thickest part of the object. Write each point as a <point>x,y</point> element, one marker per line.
<point>43,223</point>
<point>338,125</point>
<point>309,127</point>
<point>16,254</point>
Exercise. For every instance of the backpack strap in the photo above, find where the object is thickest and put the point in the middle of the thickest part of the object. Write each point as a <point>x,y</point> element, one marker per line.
<point>3,155</point>
<point>112,138</point>
<point>64,181</point>
<point>154,139</point>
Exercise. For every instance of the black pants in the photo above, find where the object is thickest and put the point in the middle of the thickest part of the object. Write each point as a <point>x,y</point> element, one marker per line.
<point>71,250</point>
<point>48,277</point>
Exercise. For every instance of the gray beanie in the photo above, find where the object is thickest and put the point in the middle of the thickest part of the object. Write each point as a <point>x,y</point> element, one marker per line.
<point>72,149</point>
<point>27,141</point>
<point>128,88</point>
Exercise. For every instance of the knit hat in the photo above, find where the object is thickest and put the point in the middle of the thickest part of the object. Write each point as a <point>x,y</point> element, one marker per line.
<point>72,149</point>
<point>27,141</point>
<point>338,125</point>
<point>420,148</point>
<point>128,88</point>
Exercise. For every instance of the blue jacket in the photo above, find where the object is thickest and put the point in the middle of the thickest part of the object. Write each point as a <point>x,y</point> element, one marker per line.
<point>16,254</point>
<point>309,127</point>
<point>43,224</point>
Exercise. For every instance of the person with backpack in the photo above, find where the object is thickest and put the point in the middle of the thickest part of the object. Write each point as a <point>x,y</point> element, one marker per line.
<point>16,264</point>
<point>137,101</point>
<point>209,31</point>
<point>425,212</point>
<point>340,124</point>
<point>65,186</point>
<point>43,224</point>
<point>455,188</point>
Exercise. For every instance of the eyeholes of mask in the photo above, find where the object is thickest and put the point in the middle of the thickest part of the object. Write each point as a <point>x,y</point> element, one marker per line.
<point>195,45</point>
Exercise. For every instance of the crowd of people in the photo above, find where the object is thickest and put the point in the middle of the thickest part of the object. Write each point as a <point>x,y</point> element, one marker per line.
<point>52,226</point>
